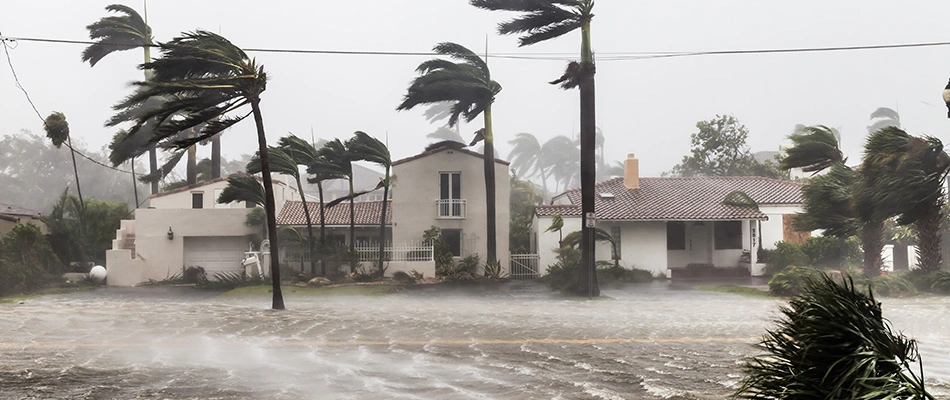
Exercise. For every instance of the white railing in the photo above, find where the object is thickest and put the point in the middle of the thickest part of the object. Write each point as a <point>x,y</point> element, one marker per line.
<point>404,252</point>
<point>450,209</point>
<point>525,266</point>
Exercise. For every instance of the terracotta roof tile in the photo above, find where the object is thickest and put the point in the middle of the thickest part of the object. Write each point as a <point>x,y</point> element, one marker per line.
<point>446,146</point>
<point>367,213</point>
<point>680,198</point>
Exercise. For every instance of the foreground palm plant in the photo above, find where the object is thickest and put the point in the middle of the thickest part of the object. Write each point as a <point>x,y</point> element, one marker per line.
<point>207,79</point>
<point>833,343</point>
<point>469,87</point>
<point>542,20</point>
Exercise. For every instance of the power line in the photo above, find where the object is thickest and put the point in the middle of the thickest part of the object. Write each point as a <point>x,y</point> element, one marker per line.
<point>604,56</point>
<point>16,79</point>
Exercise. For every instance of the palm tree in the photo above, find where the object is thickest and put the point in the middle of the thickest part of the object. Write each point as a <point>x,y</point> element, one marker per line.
<point>557,224</point>
<point>303,153</point>
<point>906,176</point>
<point>528,158</point>
<point>561,154</point>
<point>126,31</point>
<point>283,162</point>
<point>468,85</point>
<point>341,157</point>
<point>370,149</point>
<point>208,79</point>
<point>57,130</point>
<point>884,117</point>
<point>838,201</point>
<point>542,20</point>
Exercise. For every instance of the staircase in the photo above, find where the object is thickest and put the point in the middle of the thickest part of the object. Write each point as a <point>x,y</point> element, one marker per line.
<point>125,237</point>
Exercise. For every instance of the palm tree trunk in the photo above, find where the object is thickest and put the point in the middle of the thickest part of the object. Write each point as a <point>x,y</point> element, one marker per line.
<point>306,213</point>
<point>587,279</point>
<point>216,158</point>
<point>490,200</point>
<point>927,226</point>
<point>872,242</point>
<point>135,184</point>
<point>544,181</point>
<point>72,153</point>
<point>269,206</point>
<point>353,257</point>
<point>323,230</point>
<point>191,169</point>
<point>382,224</point>
<point>153,166</point>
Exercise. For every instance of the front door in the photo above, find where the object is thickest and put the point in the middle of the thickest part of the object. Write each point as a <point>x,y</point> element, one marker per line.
<point>698,242</point>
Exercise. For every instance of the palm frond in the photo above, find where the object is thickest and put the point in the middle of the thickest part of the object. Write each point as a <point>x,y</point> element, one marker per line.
<point>815,149</point>
<point>242,188</point>
<point>368,148</point>
<point>280,162</point>
<point>116,33</point>
<point>540,20</point>
<point>165,169</point>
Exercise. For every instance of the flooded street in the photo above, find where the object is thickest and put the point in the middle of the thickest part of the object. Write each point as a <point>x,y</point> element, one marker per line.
<point>511,341</point>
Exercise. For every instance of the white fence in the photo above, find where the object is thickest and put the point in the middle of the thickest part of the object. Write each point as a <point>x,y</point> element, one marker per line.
<point>525,266</point>
<point>404,252</point>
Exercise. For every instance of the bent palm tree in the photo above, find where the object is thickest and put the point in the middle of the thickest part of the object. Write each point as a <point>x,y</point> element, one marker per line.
<point>303,153</point>
<point>122,32</point>
<point>208,79</point>
<point>542,20</point>
<point>468,86</point>
<point>528,158</point>
<point>838,201</point>
<point>370,149</point>
<point>57,130</point>
<point>340,155</point>
<point>906,180</point>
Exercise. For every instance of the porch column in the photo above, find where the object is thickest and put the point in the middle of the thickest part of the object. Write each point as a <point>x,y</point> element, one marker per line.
<point>754,241</point>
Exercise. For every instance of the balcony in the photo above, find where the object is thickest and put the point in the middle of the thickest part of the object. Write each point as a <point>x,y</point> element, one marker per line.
<point>450,209</point>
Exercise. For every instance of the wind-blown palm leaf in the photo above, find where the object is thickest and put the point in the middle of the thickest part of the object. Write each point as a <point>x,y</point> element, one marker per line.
<point>828,204</point>
<point>166,168</point>
<point>574,238</point>
<point>557,223</point>
<point>280,162</point>
<point>526,155</point>
<point>832,343</point>
<point>242,188</point>
<point>370,149</point>
<point>116,33</point>
<point>815,149</point>
<point>542,19</point>
<point>298,149</point>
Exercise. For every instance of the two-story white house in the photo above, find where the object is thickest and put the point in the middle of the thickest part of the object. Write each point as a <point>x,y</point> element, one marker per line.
<point>182,228</point>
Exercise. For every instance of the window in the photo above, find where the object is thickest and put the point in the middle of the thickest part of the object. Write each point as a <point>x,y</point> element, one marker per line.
<point>615,234</point>
<point>676,235</point>
<point>197,199</point>
<point>453,237</point>
<point>450,195</point>
<point>728,235</point>
<point>249,204</point>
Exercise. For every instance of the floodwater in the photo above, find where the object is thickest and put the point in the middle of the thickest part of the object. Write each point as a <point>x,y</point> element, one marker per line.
<point>508,341</point>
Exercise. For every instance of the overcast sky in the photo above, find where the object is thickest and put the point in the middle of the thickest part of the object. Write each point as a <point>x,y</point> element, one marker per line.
<point>647,107</point>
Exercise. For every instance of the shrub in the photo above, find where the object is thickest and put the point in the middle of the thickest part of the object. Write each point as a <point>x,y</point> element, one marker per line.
<point>493,270</point>
<point>468,264</point>
<point>444,262</point>
<point>785,254</point>
<point>26,260</point>
<point>792,280</point>
<point>194,274</point>
<point>832,343</point>
<point>893,285</point>
<point>402,277</point>
<point>931,282</point>
<point>607,272</point>
<point>563,274</point>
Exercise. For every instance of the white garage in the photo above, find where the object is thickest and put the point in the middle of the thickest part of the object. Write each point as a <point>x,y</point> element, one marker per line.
<point>215,253</point>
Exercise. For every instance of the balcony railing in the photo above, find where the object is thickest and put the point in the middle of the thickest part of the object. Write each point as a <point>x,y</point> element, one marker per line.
<point>450,209</point>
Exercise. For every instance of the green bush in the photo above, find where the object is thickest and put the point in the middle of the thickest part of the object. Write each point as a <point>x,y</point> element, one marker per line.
<point>444,261</point>
<point>931,282</point>
<point>563,274</point>
<point>493,270</point>
<point>792,280</point>
<point>86,232</point>
<point>468,264</point>
<point>610,272</point>
<point>26,260</point>
<point>892,285</point>
<point>784,255</point>
<point>402,277</point>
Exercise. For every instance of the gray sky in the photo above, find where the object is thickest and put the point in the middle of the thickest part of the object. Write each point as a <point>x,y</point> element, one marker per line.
<point>647,107</point>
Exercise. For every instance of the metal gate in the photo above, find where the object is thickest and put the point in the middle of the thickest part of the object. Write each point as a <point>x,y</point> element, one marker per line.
<point>525,266</point>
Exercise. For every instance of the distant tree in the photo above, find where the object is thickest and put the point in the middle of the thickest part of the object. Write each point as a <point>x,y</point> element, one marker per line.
<point>87,230</point>
<point>27,261</point>
<point>884,117</point>
<point>719,149</point>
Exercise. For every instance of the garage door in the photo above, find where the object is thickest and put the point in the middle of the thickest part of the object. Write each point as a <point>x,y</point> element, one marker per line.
<point>215,254</point>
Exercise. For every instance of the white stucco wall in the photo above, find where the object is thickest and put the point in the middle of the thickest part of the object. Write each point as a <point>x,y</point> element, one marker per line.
<point>642,245</point>
<point>417,188</point>
<point>548,241</point>
<point>772,230</point>
<point>159,258</point>
<point>182,199</point>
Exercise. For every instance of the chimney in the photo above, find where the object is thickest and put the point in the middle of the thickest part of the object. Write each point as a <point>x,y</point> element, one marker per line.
<point>631,172</point>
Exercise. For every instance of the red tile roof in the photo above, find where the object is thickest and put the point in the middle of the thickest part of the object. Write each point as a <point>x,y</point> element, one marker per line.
<point>679,199</point>
<point>16,211</point>
<point>367,213</point>
<point>446,146</point>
